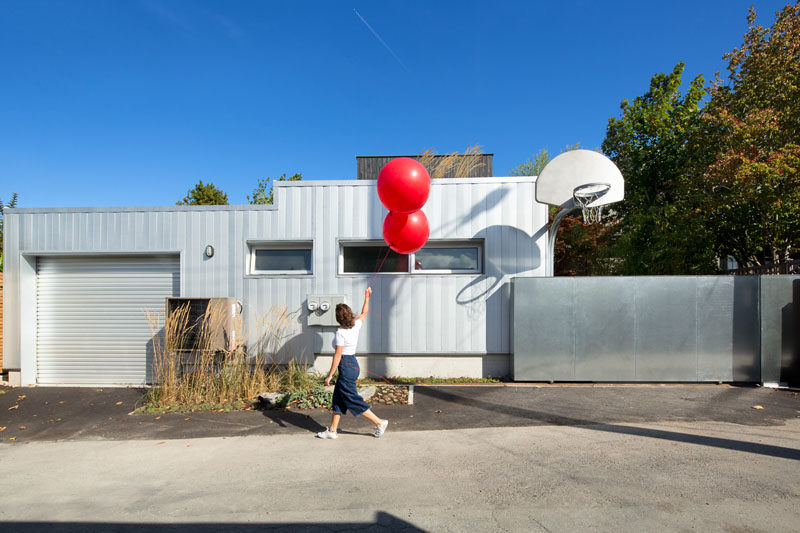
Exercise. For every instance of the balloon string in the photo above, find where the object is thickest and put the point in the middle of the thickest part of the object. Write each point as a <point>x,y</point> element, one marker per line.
<point>388,251</point>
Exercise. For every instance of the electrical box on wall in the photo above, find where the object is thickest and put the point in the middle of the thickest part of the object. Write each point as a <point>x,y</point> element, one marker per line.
<point>322,309</point>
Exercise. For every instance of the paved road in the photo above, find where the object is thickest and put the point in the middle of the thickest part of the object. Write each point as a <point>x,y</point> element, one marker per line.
<point>57,413</point>
<point>674,476</point>
<point>462,458</point>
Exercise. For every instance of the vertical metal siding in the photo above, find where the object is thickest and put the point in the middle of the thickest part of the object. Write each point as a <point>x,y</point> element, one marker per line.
<point>430,314</point>
<point>91,321</point>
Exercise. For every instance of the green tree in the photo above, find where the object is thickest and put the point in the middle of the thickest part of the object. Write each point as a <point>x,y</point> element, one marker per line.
<point>263,193</point>
<point>654,144</point>
<point>10,205</point>
<point>750,191</point>
<point>580,249</point>
<point>204,194</point>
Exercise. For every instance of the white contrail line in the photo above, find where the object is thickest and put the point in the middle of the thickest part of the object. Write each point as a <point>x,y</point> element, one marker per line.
<point>379,38</point>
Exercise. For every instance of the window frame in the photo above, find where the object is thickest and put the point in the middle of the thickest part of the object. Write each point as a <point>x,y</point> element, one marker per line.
<point>463,243</point>
<point>253,246</point>
<point>411,270</point>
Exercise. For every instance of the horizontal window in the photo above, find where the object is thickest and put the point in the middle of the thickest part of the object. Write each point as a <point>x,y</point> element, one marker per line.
<point>280,258</point>
<point>366,259</point>
<point>450,257</point>
<point>439,257</point>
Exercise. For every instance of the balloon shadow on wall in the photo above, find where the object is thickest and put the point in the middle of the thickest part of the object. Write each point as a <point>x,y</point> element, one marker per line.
<point>520,254</point>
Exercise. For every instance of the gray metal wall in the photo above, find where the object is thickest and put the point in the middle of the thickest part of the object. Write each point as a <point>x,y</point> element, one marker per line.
<point>637,329</point>
<point>370,166</point>
<point>413,314</point>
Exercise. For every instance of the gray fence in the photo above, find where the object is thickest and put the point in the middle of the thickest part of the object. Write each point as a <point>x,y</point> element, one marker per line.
<point>653,329</point>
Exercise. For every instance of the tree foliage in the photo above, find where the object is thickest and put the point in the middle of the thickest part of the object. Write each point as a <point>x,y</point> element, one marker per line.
<point>751,188</point>
<point>263,193</point>
<point>651,143</point>
<point>10,205</point>
<point>204,194</point>
<point>721,180</point>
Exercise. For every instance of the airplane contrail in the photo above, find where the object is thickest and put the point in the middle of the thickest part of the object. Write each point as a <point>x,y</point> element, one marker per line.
<point>379,38</point>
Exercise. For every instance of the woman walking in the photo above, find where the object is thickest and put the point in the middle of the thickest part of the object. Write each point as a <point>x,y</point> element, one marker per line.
<point>345,393</point>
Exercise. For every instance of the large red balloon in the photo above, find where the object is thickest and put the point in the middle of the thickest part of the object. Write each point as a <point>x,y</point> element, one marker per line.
<point>405,232</point>
<point>404,185</point>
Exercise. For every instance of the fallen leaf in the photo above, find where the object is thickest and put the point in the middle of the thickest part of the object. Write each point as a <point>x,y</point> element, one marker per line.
<point>22,397</point>
<point>22,427</point>
<point>162,442</point>
<point>13,407</point>
<point>110,418</point>
<point>63,401</point>
<point>12,438</point>
<point>3,428</point>
<point>186,419</point>
<point>757,407</point>
<point>118,403</point>
<point>156,418</point>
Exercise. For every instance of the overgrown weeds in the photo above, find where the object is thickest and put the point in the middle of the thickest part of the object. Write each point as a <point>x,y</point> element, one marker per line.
<point>455,164</point>
<point>205,364</point>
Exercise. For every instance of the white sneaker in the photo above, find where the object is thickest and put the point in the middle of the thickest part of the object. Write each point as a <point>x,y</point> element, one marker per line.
<point>327,434</point>
<point>380,430</point>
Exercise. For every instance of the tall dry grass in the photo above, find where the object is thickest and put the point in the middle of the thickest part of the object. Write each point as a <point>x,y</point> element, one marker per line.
<point>207,362</point>
<point>459,164</point>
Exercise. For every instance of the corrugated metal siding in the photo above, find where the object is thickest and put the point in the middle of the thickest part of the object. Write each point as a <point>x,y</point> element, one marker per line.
<point>370,166</point>
<point>419,314</point>
<point>91,321</point>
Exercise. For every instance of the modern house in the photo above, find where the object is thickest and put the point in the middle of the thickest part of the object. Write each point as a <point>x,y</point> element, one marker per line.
<point>78,281</point>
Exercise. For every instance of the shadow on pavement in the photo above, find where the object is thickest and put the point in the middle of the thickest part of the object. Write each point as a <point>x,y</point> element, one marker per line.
<point>559,420</point>
<point>382,521</point>
<point>287,417</point>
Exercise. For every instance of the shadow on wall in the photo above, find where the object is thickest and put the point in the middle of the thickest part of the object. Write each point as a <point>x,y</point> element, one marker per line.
<point>499,270</point>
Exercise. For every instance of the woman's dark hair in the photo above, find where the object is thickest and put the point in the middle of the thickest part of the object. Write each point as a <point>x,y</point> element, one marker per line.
<point>345,316</point>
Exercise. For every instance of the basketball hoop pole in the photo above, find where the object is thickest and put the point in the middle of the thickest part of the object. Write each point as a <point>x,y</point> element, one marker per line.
<point>552,237</point>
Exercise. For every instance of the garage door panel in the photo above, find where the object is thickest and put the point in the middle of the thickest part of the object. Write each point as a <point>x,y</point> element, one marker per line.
<point>92,324</point>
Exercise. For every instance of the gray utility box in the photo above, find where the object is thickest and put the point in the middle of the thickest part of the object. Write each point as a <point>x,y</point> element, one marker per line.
<point>322,309</point>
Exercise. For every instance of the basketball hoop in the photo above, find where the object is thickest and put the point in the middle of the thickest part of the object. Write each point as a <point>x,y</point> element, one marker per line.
<point>584,195</point>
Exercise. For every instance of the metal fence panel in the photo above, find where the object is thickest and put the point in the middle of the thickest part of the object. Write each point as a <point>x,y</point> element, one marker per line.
<point>640,329</point>
<point>604,329</point>
<point>551,333</point>
<point>666,328</point>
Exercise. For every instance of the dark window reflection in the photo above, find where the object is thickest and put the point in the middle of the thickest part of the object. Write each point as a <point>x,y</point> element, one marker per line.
<point>282,260</point>
<point>367,259</point>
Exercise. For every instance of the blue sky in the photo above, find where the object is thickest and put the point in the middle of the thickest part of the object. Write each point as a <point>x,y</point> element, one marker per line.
<point>106,103</point>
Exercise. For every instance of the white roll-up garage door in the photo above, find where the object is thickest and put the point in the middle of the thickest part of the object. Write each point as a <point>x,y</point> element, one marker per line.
<point>91,321</point>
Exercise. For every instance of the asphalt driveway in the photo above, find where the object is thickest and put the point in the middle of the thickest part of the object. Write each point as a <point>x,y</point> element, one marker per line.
<point>79,413</point>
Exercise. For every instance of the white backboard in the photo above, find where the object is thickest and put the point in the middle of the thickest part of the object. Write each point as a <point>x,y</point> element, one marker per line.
<point>560,176</point>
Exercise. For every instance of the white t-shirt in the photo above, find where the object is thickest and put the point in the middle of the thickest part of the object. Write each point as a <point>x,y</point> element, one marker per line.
<point>348,338</point>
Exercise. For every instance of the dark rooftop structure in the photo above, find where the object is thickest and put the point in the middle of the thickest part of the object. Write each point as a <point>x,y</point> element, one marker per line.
<point>369,166</point>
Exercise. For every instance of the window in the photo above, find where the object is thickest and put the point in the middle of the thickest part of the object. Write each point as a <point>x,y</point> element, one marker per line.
<point>438,257</point>
<point>450,257</point>
<point>280,258</point>
<point>366,258</point>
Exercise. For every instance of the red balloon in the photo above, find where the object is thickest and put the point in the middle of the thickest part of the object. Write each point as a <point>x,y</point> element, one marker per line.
<point>405,232</point>
<point>404,185</point>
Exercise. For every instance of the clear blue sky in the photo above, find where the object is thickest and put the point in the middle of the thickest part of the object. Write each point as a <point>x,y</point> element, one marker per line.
<point>106,103</point>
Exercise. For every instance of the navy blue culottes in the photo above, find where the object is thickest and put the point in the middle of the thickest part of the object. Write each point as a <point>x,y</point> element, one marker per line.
<point>345,393</point>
